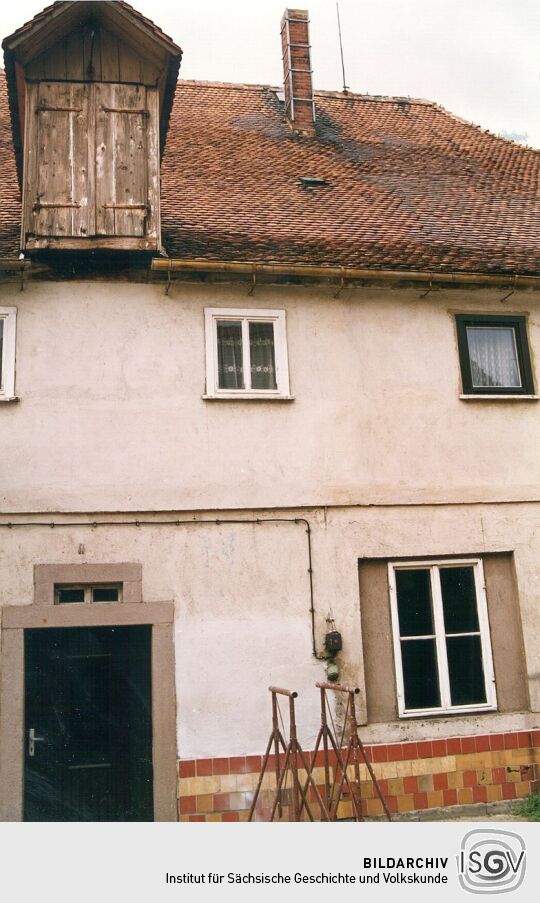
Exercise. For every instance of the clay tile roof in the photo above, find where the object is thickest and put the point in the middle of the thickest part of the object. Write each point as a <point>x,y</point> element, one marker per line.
<point>10,196</point>
<point>409,185</point>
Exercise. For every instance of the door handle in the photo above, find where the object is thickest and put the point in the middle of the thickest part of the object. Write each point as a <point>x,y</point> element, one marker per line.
<point>32,740</point>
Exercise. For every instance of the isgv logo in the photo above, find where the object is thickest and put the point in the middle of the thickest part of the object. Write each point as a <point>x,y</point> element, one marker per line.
<point>491,862</point>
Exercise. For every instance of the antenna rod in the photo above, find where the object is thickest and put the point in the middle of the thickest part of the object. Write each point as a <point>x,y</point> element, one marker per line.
<point>345,88</point>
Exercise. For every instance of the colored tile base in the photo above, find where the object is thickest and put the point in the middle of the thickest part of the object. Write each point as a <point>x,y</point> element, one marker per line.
<point>411,776</point>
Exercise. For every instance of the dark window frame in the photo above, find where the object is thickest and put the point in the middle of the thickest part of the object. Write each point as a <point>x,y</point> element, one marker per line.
<point>519,324</point>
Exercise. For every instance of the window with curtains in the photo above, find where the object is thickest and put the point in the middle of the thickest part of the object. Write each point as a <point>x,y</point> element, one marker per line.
<point>246,354</point>
<point>8,317</point>
<point>442,645</point>
<point>494,355</point>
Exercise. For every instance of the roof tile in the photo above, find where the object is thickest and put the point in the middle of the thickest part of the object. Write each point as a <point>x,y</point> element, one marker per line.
<point>409,185</point>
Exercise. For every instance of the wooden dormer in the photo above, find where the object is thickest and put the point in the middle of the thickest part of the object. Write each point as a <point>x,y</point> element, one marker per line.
<point>91,87</point>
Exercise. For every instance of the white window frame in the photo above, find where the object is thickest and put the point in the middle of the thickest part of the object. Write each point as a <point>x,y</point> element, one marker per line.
<point>246,316</point>
<point>88,590</point>
<point>7,377</point>
<point>446,707</point>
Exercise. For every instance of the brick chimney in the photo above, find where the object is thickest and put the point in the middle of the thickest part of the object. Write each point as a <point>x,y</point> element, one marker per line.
<point>299,102</point>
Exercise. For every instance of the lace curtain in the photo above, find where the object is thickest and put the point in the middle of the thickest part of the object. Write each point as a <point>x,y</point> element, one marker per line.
<point>493,356</point>
<point>261,350</point>
<point>262,362</point>
<point>230,366</point>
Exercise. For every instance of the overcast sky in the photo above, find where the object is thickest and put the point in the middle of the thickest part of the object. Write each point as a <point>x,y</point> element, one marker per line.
<point>478,58</point>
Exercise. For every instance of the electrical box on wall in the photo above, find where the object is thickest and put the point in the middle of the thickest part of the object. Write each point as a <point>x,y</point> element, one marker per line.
<point>333,642</point>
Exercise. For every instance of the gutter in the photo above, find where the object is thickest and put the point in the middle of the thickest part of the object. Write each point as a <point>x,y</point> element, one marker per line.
<point>344,274</point>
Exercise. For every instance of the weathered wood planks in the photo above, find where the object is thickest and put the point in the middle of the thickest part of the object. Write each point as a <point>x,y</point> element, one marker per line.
<point>92,53</point>
<point>92,162</point>
<point>121,160</point>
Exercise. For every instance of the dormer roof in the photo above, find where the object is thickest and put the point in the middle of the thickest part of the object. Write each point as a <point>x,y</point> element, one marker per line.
<point>53,24</point>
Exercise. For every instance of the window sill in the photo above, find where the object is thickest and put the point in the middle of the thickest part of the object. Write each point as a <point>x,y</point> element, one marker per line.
<point>248,396</point>
<point>9,399</point>
<point>445,713</point>
<point>480,397</point>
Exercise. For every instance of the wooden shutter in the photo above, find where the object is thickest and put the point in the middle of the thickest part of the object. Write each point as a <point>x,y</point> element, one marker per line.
<point>58,188</point>
<point>126,160</point>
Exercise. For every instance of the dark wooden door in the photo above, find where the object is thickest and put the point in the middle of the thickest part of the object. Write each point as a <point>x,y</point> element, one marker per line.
<point>88,724</point>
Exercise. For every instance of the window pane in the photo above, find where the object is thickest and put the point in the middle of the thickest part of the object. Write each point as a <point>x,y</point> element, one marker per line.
<point>493,356</point>
<point>465,670</point>
<point>459,600</point>
<point>229,342</point>
<point>68,596</point>
<point>414,602</point>
<point>261,349</point>
<point>1,347</point>
<point>105,594</point>
<point>420,676</point>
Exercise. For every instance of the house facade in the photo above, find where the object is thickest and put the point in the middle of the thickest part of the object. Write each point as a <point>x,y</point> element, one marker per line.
<point>269,369</point>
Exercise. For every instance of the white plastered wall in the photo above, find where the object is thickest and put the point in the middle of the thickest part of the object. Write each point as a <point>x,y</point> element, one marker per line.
<point>241,597</point>
<point>377,451</point>
<point>110,377</point>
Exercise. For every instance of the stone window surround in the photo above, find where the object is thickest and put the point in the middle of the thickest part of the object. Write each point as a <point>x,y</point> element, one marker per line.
<point>505,628</point>
<point>43,613</point>
<point>46,576</point>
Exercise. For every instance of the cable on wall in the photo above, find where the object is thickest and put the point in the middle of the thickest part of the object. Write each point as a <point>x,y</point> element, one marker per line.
<point>137,522</point>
